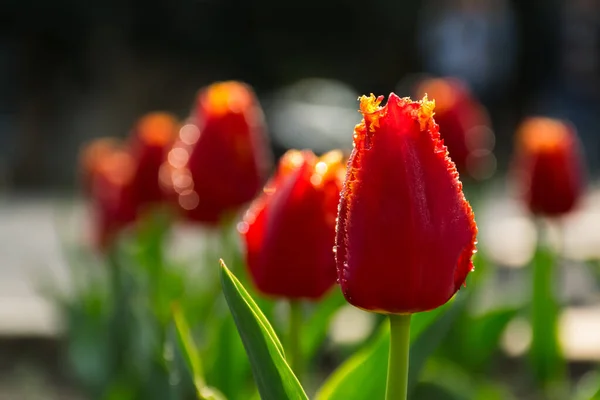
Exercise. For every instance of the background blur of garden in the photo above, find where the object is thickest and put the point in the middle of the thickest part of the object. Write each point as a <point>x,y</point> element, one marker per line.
<point>72,71</point>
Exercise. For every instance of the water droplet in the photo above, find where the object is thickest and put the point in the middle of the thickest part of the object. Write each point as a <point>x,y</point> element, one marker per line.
<point>368,140</point>
<point>334,249</point>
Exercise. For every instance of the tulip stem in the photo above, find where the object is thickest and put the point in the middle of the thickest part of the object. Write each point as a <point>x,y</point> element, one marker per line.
<point>294,335</point>
<point>397,378</point>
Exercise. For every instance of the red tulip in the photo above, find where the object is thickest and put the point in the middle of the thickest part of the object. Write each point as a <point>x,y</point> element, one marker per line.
<point>289,230</point>
<point>222,158</point>
<point>112,196</point>
<point>90,158</point>
<point>464,124</point>
<point>405,232</point>
<point>549,166</point>
<point>150,141</point>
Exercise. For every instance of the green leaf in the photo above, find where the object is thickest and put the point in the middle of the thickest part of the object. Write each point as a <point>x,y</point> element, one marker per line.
<point>482,269</point>
<point>88,341</point>
<point>363,375</point>
<point>273,376</point>
<point>316,328</point>
<point>483,336</point>
<point>189,349</point>
<point>424,345</point>
<point>445,380</point>
<point>227,366</point>
<point>474,340</point>
<point>545,355</point>
<point>588,387</point>
<point>121,388</point>
<point>192,358</point>
<point>434,390</point>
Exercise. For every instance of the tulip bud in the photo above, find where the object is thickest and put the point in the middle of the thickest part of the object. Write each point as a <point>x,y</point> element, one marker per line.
<point>548,165</point>
<point>112,196</point>
<point>464,125</point>
<point>289,230</point>
<point>222,159</point>
<point>91,156</point>
<point>405,232</point>
<point>150,141</point>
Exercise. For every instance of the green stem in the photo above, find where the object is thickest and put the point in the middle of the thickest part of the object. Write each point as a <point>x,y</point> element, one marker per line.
<point>119,313</point>
<point>545,350</point>
<point>397,378</point>
<point>294,349</point>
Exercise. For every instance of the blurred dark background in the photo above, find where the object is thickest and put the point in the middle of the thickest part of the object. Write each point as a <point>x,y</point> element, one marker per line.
<point>73,70</point>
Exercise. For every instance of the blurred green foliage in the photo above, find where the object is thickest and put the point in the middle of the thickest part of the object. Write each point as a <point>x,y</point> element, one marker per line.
<point>140,325</point>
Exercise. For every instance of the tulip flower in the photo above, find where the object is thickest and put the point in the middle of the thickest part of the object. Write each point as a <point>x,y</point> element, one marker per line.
<point>112,196</point>
<point>222,159</point>
<point>405,232</point>
<point>91,156</point>
<point>289,230</point>
<point>150,141</point>
<point>123,179</point>
<point>548,166</point>
<point>464,125</point>
<point>289,233</point>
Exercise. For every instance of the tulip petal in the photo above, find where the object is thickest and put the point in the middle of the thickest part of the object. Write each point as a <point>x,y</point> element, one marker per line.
<point>405,232</point>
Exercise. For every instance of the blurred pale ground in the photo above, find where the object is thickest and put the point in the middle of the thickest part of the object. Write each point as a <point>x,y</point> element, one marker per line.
<point>32,264</point>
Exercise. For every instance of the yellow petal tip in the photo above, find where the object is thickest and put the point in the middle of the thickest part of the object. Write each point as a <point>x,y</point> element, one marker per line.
<point>426,112</point>
<point>369,104</point>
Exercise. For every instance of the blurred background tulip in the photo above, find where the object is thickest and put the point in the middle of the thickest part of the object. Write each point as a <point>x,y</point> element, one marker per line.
<point>289,230</point>
<point>549,172</point>
<point>464,126</point>
<point>90,159</point>
<point>113,197</point>
<point>289,234</point>
<point>123,178</point>
<point>549,166</point>
<point>150,141</point>
<point>222,158</point>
